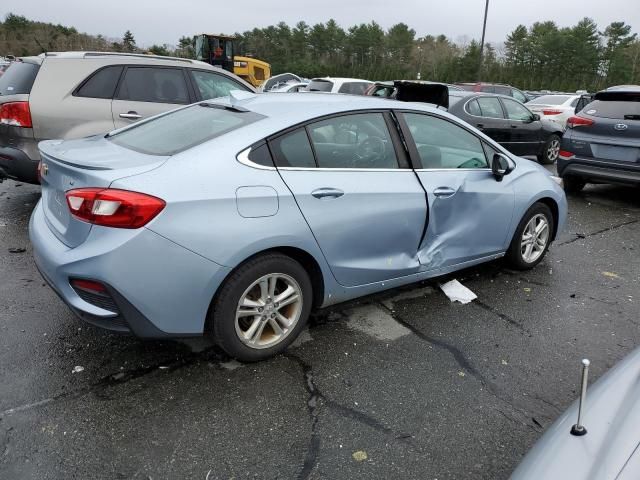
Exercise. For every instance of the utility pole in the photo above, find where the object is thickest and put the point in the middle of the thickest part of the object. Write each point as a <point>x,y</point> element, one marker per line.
<point>484,29</point>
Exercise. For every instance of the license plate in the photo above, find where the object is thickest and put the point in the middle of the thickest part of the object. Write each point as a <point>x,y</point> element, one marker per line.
<point>611,152</point>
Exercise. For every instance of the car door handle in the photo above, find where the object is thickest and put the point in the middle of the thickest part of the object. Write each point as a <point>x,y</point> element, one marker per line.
<point>131,115</point>
<point>444,192</point>
<point>327,193</point>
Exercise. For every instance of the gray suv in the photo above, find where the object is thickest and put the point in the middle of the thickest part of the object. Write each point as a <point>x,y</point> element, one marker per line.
<point>78,94</point>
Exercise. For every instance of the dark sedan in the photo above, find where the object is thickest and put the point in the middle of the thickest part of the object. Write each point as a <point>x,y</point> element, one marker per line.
<point>602,142</point>
<point>509,123</point>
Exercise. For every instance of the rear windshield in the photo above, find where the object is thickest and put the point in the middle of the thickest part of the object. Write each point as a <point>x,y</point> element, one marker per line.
<point>616,105</point>
<point>319,86</point>
<point>469,88</point>
<point>453,99</point>
<point>18,78</point>
<point>354,88</point>
<point>550,100</point>
<point>183,129</point>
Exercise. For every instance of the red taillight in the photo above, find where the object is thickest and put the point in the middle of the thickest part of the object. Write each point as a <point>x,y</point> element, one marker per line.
<point>88,285</point>
<point>113,208</point>
<point>565,154</point>
<point>16,114</point>
<point>579,122</point>
<point>551,112</point>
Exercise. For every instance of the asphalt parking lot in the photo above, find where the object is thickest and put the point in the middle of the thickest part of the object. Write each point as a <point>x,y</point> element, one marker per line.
<point>399,385</point>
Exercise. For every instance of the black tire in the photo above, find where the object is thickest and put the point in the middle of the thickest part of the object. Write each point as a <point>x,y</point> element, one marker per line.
<point>222,317</point>
<point>551,148</point>
<point>573,184</point>
<point>514,255</point>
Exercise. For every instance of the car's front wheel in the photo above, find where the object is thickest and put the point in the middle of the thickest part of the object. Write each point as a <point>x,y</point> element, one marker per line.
<point>532,238</point>
<point>551,150</point>
<point>261,307</point>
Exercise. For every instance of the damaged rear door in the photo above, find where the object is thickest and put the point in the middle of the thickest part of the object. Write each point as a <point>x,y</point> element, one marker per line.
<point>469,210</point>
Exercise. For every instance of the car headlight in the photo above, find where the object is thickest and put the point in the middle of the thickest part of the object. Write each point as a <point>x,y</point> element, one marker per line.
<point>558,180</point>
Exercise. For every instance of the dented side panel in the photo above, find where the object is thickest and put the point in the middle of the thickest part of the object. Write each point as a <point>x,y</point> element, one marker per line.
<point>470,214</point>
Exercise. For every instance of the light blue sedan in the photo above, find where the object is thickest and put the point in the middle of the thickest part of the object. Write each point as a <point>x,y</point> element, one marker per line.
<point>235,217</point>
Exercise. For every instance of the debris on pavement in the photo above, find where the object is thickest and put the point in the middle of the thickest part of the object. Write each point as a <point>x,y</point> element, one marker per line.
<point>359,456</point>
<point>77,369</point>
<point>458,292</point>
<point>610,274</point>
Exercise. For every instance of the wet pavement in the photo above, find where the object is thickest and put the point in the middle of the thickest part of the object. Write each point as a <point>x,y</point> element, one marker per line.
<point>403,384</point>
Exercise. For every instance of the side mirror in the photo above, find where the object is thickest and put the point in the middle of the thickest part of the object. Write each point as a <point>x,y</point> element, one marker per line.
<point>501,166</point>
<point>536,117</point>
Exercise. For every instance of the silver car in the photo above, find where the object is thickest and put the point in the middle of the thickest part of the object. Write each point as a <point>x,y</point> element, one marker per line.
<point>77,94</point>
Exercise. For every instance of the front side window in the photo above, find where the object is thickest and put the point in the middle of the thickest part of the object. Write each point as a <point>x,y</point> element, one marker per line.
<point>490,107</point>
<point>353,141</point>
<point>151,84</point>
<point>182,129</point>
<point>214,85</point>
<point>515,111</point>
<point>293,150</point>
<point>443,144</point>
<point>102,84</point>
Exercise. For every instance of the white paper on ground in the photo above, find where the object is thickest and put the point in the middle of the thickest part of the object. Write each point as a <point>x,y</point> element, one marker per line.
<point>458,292</point>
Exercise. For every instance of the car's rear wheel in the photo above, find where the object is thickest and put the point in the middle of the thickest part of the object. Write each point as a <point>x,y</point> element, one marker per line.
<point>261,307</point>
<point>573,184</point>
<point>551,150</point>
<point>532,238</point>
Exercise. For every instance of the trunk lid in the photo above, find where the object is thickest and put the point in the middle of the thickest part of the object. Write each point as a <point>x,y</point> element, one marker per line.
<point>89,162</point>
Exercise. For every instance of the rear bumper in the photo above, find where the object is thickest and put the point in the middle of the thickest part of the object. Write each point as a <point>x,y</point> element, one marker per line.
<point>160,289</point>
<point>599,171</point>
<point>19,155</point>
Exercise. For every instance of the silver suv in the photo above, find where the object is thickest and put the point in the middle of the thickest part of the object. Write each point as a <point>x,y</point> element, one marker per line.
<point>78,94</point>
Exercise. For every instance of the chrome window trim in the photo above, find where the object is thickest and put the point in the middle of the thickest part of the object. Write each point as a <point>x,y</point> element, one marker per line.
<point>483,169</point>
<point>243,158</point>
<point>343,169</point>
<point>481,116</point>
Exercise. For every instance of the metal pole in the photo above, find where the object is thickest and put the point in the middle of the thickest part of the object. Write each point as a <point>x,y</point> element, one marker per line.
<point>578,429</point>
<point>484,29</point>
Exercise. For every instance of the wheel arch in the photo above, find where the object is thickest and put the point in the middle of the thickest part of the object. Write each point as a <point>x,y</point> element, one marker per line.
<point>555,211</point>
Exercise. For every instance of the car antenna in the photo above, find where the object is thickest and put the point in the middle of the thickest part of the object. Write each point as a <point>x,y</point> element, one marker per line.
<point>578,429</point>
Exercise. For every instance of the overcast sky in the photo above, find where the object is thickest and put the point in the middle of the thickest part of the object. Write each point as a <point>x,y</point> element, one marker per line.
<point>162,21</point>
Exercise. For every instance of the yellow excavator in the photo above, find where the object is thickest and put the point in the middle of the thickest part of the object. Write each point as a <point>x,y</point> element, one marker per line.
<point>219,50</point>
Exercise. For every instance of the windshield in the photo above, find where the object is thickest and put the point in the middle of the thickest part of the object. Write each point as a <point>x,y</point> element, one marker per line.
<point>18,78</point>
<point>183,129</point>
<point>550,100</point>
<point>319,86</point>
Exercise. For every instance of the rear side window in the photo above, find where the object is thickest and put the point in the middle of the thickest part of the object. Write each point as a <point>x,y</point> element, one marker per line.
<point>18,78</point>
<point>182,129</point>
<point>473,108</point>
<point>293,150</point>
<point>102,84</point>
<point>319,86</point>
<point>158,85</point>
<point>615,105</point>
<point>490,107</point>
<point>354,88</point>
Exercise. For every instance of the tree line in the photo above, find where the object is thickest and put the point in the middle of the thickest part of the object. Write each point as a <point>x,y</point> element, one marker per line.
<point>541,56</point>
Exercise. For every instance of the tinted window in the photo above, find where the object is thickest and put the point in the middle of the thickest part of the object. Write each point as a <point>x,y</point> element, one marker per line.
<point>18,78</point>
<point>353,141</point>
<point>503,90</point>
<point>293,150</point>
<point>518,95</point>
<point>615,105</point>
<point>182,129</point>
<point>160,85</point>
<point>319,86</point>
<point>354,88</point>
<point>515,111</point>
<point>490,107</point>
<point>574,102</point>
<point>102,84</point>
<point>261,155</point>
<point>473,108</point>
<point>442,144</point>
<point>214,85</point>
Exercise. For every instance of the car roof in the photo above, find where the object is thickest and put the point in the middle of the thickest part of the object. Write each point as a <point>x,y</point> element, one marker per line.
<point>121,56</point>
<point>341,79</point>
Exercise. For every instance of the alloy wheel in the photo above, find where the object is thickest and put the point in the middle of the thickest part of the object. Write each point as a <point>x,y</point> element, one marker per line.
<point>535,237</point>
<point>553,150</point>
<point>268,310</point>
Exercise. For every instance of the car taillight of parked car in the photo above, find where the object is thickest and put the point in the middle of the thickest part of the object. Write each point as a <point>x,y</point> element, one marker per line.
<point>16,114</point>
<point>112,207</point>
<point>551,112</point>
<point>574,122</point>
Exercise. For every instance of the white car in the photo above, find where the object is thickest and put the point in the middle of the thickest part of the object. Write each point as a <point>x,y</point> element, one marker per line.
<point>290,87</point>
<point>557,108</point>
<point>353,86</point>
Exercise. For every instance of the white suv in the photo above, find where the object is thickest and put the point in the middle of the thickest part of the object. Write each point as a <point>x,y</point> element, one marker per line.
<point>353,86</point>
